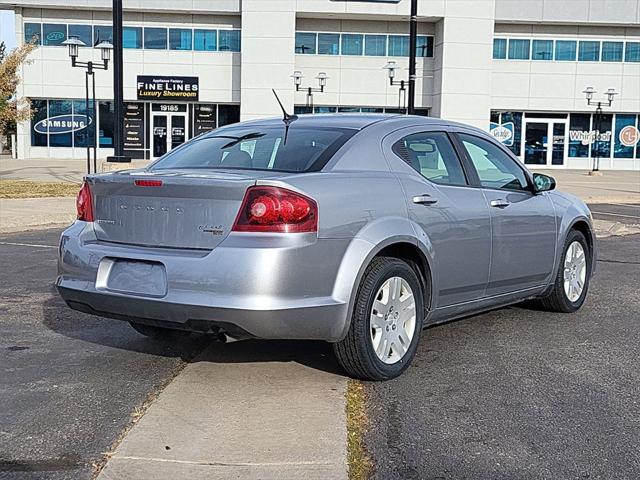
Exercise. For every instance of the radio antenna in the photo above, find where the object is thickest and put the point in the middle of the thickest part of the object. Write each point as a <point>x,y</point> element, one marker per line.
<point>286,118</point>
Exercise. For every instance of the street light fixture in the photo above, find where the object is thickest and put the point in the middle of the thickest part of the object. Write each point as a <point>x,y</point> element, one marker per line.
<point>589,92</point>
<point>105,52</point>
<point>322,78</point>
<point>391,68</point>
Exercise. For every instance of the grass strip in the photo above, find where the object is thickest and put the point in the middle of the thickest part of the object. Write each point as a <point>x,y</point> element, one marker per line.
<point>30,189</point>
<point>360,463</point>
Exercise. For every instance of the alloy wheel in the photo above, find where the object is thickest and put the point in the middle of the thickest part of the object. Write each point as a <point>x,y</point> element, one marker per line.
<point>393,320</point>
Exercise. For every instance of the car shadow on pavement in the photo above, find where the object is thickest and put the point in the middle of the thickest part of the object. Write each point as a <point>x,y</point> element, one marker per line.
<point>193,348</point>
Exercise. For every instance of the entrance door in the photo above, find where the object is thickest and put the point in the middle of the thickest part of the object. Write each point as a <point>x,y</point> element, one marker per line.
<point>545,142</point>
<point>169,131</point>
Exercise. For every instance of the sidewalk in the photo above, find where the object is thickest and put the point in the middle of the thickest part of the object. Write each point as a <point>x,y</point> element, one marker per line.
<point>256,410</point>
<point>614,186</point>
<point>22,214</point>
<point>56,169</point>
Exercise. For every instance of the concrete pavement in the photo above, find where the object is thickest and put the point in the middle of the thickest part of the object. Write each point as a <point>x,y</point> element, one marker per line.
<point>237,413</point>
<point>614,186</point>
<point>22,214</point>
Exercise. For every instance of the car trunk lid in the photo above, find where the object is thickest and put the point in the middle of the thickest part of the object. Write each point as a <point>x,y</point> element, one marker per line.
<point>173,209</point>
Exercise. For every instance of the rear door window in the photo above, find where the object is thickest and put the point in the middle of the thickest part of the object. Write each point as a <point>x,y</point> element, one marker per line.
<point>300,149</point>
<point>432,155</point>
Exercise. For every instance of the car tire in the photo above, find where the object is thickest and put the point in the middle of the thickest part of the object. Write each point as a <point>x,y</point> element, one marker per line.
<point>159,333</point>
<point>560,300</point>
<point>357,352</point>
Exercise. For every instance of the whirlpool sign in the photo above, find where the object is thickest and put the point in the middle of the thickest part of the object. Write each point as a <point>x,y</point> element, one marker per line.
<point>62,124</point>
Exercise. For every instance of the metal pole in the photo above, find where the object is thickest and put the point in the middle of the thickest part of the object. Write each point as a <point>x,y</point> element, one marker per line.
<point>86,110</point>
<point>596,158</point>
<point>413,42</point>
<point>118,127</point>
<point>94,130</point>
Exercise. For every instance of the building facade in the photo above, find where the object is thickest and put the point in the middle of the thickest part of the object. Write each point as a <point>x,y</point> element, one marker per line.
<point>515,68</point>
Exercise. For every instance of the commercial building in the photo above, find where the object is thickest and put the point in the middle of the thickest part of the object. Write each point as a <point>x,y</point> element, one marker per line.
<point>516,68</point>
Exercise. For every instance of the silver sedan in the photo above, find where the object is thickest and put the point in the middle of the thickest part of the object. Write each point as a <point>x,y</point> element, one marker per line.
<point>359,230</point>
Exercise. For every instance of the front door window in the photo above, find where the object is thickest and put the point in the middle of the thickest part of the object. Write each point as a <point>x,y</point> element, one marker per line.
<point>536,138</point>
<point>159,135</point>
<point>544,143</point>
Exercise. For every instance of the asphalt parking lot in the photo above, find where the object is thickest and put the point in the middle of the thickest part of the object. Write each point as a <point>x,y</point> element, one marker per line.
<point>518,393</point>
<point>513,393</point>
<point>70,382</point>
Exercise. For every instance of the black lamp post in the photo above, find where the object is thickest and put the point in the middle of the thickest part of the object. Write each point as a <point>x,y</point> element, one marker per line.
<point>413,41</point>
<point>322,82</point>
<point>105,48</point>
<point>391,68</point>
<point>118,102</point>
<point>589,92</point>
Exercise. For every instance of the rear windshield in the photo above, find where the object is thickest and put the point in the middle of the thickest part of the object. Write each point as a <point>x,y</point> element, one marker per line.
<point>305,150</point>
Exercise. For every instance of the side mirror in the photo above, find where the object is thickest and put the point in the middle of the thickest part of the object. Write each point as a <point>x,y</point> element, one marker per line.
<point>543,183</point>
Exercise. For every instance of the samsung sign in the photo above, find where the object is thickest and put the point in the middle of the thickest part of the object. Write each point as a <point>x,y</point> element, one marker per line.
<point>62,124</point>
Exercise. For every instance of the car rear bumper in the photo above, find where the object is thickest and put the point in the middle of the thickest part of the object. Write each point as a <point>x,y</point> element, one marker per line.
<point>279,287</point>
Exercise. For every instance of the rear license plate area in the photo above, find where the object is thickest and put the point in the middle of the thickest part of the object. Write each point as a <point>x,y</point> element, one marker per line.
<point>135,277</point>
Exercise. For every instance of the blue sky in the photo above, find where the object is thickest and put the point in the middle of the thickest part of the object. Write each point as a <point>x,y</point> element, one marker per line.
<point>7,28</point>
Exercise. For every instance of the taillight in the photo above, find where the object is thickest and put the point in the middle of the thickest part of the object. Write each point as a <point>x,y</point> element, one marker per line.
<point>84,205</point>
<point>275,209</point>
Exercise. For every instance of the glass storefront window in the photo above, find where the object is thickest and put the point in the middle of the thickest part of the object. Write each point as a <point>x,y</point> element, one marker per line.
<point>102,33</point>
<point>305,43</point>
<point>57,108</point>
<point>632,52</point>
<point>398,46</point>
<point>132,37</point>
<point>579,134</point>
<point>155,38</point>
<point>612,51</point>
<point>565,50</point>
<point>424,46</point>
<point>106,113</point>
<point>229,40</point>
<point>328,44</point>
<point>32,33</point>
<point>228,114</point>
<point>542,50</point>
<point>602,145</point>
<point>85,136</point>
<point>621,145</point>
<point>53,34</point>
<point>376,110</point>
<point>352,44</point>
<point>81,32</point>
<point>205,40</point>
<point>519,49</point>
<point>500,48</point>
<point>588,51</point>
<point>39,109</point>
<point>179,39</point>
<point>324,109</point>
<point>375,45</point>
<point>302,109</point>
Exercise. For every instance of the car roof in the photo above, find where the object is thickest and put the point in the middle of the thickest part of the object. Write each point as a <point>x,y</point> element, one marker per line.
<point>356,121</point>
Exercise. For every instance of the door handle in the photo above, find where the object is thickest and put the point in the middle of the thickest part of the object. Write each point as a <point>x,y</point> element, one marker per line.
<point>425,200</point>
<point>500,203</point>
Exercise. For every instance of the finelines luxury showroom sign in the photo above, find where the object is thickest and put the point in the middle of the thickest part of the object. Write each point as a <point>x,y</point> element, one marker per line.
<point>156,87</point>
